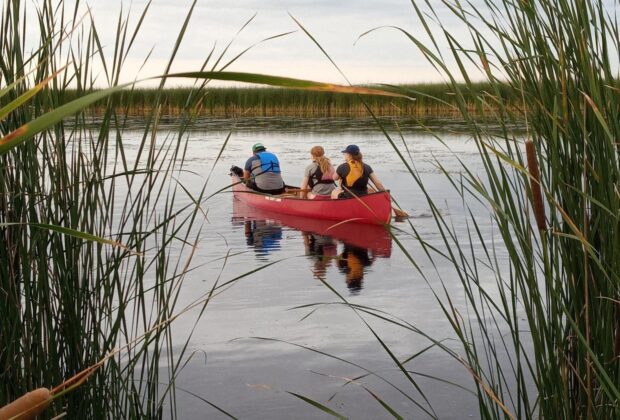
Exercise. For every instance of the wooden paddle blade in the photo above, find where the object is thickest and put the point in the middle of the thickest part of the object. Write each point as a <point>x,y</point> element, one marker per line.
<point>399,214</point>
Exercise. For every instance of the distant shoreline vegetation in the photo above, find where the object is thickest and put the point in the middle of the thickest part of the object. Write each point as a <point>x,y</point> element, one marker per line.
<point>429,100</point>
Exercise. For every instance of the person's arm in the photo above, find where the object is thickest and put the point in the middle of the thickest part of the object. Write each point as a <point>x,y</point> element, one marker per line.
<point>304,187</point>
<point>376,181</point>
<point>246,170</point>
<point>336,176</point>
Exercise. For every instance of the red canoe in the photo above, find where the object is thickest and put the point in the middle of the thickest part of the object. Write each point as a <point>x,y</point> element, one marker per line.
<point>373,237</point>
<point>373,208</point>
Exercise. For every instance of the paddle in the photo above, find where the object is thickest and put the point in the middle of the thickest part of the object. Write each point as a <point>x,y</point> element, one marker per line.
<point>398,213</point>
<point>295,190</point>
<point>290,189</point>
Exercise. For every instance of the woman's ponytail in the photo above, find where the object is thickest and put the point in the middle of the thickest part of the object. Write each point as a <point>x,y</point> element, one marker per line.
<point>318,153</point>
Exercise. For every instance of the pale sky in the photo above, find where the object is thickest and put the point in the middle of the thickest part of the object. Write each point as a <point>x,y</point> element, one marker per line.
<point>385,56</point>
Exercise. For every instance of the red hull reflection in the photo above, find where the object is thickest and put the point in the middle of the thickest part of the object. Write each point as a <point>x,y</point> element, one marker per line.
<point>372,237</point>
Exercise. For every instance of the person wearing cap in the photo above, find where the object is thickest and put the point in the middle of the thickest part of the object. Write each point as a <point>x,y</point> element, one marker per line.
<point>354,175</point>
<point>262,171</point>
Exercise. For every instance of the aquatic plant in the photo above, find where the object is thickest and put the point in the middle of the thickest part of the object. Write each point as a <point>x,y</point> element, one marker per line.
<point>95,248</point>
<point>544,340</point>
<point>260,101</point>
<point>90,257</point>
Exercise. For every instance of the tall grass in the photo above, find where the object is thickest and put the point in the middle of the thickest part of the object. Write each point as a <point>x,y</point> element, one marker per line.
<point>552,318</point>
<point>67,300</point>
<point>544,340</point>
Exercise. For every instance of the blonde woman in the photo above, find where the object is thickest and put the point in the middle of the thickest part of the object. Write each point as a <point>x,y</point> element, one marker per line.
<point>318,176</point>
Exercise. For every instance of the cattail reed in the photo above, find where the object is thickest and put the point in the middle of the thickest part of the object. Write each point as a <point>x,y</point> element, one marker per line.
<point>562,340</point>
<point>532,166</point>
<point>28,406</point>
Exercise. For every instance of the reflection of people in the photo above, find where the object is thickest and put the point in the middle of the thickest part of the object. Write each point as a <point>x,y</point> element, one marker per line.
<point>262,171</point>
<point>318,176</point>
<point>354,175</point>
<point>352,263</point>
<point>323,248</point>
<point>263,236</point>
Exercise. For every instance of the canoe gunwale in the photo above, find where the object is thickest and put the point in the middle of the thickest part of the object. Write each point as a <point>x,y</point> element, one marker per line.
<point>288,197</point>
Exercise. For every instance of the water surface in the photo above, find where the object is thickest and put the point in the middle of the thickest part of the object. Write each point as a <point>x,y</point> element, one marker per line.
<point>248,346</point>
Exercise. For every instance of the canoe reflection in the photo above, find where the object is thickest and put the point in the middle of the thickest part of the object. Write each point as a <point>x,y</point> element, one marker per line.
<point>263,236</point>
<point>322,250</point>
<point>361,243</point>
<point>353,262</point>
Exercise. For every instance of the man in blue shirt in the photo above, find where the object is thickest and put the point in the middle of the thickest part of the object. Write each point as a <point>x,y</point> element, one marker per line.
<point>262,171</point>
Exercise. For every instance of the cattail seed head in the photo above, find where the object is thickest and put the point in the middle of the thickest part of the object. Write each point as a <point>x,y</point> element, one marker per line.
<point>28,406</point>
<point>532,165</point>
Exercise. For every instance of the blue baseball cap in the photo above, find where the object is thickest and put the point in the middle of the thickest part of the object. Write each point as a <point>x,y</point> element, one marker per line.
<point>352,149</point>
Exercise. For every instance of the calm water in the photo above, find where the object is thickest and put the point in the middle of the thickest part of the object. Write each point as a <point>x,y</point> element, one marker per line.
<point>250,377</point>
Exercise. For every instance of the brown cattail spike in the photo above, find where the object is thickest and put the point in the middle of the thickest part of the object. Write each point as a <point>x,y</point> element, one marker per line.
<point>27,406</point>
<point>532,165</point>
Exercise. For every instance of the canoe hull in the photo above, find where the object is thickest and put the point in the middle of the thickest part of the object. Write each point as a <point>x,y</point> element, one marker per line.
<point>369,209</point>
<point>369,236</point>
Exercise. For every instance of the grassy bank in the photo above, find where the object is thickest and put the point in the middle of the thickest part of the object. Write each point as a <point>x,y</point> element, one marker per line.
<point>425,100</point>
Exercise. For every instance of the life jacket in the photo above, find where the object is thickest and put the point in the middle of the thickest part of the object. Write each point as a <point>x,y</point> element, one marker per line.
<point>356,171</point>
<point>317,178</point>
<point>268,162</point>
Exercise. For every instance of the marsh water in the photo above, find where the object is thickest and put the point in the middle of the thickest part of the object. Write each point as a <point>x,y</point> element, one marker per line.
<point>281,330</point>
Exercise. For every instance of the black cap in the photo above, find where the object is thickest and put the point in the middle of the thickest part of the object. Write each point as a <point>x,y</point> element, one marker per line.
<point>352,149</point>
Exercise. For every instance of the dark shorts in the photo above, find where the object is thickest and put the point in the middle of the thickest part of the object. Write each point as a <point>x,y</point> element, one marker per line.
<point>272,192</point>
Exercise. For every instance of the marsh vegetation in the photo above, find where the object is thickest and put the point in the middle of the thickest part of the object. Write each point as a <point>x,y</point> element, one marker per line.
<point>423,100</point>
<point>99,235</point>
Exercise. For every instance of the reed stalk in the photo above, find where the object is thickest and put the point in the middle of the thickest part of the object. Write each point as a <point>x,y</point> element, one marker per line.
<point>68,196</point>
<point>544,336</point>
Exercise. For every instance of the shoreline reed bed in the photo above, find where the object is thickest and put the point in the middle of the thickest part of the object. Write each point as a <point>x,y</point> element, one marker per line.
<point>542,341</point>
<point>94,249</point>
<point>356,112</point>
<point>256,101</point>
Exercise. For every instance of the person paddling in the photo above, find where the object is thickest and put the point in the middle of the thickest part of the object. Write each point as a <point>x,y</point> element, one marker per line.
<point>318,176</point>
<point>262,171</point>
<point>354,175</point>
